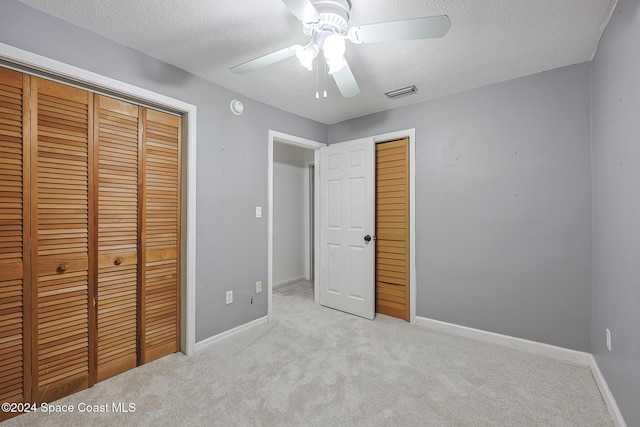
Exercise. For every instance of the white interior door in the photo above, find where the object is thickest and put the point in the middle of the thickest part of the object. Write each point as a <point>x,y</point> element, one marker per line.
<point>347,226</point>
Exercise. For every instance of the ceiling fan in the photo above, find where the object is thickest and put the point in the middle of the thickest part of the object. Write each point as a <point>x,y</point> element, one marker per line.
<point>325,22</point>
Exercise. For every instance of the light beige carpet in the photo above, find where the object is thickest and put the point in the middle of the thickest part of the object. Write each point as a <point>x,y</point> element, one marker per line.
<point>313,366</point>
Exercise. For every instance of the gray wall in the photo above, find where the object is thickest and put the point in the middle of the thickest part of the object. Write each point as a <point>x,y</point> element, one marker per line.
<point>502,205</point>
<point>616,207</point>
<point>231,165</point>
<point>503,192</point>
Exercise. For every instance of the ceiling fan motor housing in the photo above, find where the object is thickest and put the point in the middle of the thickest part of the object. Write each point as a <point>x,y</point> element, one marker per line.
<point>334,16</point>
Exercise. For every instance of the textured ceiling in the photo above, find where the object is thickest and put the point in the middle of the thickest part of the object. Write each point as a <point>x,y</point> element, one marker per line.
<point>489,41</point>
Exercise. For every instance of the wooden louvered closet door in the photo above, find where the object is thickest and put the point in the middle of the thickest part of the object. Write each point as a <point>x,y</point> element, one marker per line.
<point>392,228</point>
<point>160,288</point>
<point>61,237</point>
<point>14,251</point>
<point>89,237</point>
<point>117,140</point>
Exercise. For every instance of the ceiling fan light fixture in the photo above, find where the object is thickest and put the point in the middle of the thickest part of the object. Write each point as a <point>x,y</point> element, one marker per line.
<point>326,23</point>
<point>307,54</point>
<point>336,65</point>
<point>334,48</point>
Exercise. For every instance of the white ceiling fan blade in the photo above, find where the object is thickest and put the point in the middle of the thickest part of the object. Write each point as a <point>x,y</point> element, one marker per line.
<point>408,29</point>
<point>303,9</point>
<point>346,82</point>
<point>268,59</point>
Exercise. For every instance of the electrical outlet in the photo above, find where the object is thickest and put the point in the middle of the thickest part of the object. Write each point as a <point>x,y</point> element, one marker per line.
<point>229,297</point>
<point>258,286</point>
<point>608,339</point>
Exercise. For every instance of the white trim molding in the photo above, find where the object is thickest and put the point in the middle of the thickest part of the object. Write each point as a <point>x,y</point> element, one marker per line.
<point>560,353</point>
<point>308,232</point>
<point>607,396</point>
<point>59,69</point>
<point>226,334</point>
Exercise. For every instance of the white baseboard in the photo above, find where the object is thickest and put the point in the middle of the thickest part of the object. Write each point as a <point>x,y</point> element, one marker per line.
<point>607,396</point>
<point>226,334</point>
<point>579,357</point>
<point>290,282</point>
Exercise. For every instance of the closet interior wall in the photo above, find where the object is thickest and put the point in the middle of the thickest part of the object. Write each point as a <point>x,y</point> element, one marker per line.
<point>89,237</point>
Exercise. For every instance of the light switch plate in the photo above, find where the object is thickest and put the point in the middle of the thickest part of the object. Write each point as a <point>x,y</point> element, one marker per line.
<point>258,211</point>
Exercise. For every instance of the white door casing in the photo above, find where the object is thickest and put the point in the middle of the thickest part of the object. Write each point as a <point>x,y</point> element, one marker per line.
<point>347,215</point>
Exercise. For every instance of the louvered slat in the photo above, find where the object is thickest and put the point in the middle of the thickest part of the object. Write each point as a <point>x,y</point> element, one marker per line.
<point>60,216</point>
<point>14,192</point>
<point>161,236</point>
<point>392,228</point>
<point>117,138</point>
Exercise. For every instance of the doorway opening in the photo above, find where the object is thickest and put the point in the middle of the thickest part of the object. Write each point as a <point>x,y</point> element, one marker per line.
<point>277,137</point>
<point>292,224</point>
<point>291,217</point>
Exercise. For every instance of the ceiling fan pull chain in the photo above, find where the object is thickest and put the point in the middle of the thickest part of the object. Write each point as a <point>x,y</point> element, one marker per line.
<point>324,77</point>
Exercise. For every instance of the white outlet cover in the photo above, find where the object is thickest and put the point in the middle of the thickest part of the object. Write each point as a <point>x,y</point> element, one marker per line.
<point>258,286</point>
<point>229,297</point>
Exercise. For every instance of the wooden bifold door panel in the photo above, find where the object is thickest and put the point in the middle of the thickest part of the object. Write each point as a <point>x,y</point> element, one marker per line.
<point>89,237</point>
<point>392,228</point>
<point>14,232</point>
<point>117,139</point>
<point>161,236</point>
<point>60,152</point>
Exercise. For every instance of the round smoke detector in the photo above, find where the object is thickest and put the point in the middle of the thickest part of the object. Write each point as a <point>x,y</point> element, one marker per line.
<point>236,107</point>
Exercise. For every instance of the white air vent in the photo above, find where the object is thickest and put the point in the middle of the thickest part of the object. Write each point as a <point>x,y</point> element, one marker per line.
<point>401,92</point>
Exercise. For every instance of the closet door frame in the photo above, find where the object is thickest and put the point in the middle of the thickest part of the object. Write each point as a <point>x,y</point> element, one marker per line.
<point>24,61</point>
